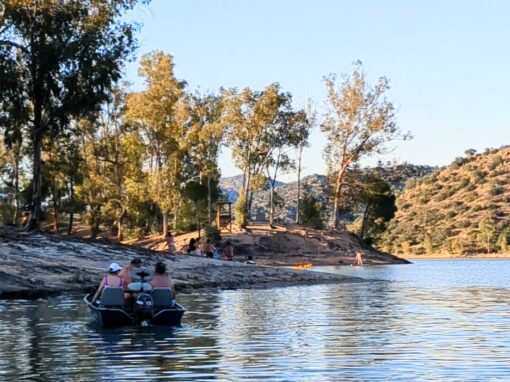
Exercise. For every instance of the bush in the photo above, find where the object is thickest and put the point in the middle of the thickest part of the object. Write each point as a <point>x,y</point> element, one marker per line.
<point>239,210</point>
<point>312,213</point>
<point>212,234</point>
<point>6,213</point>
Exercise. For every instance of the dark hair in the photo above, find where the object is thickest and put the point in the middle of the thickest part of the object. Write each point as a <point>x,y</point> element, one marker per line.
<point>160,268</point>
<point>136,261</point>
<point>192,240</point>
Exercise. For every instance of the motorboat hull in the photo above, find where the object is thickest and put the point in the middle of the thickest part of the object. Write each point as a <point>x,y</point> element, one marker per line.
<point>108,317</point>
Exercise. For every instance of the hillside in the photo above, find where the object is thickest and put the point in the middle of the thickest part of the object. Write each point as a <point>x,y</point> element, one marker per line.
<point>396,175</point>
<point>461,209</point>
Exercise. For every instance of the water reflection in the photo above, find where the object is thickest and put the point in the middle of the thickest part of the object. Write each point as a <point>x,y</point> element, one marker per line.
<point>389,330</point>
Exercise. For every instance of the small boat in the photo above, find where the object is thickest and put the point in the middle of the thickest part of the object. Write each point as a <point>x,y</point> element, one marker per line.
<point>153,306</point>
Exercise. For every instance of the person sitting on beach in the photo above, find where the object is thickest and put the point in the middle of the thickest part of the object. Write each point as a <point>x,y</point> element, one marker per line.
<point>161,278</point>
<point>358,261</point>
<point>229,251</point>
<point>113,279</point>
<point>209,249</point>
<point>127,272</point>
<point>170,243</point>
<point>198,252</point>
<point>191,246</point>
<point>250,260</point>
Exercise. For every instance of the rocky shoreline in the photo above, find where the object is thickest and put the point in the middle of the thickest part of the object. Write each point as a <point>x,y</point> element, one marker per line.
<point>39,265</point>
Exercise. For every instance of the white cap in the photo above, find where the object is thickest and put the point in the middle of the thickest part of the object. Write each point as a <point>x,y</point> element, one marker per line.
<point>114,267</point>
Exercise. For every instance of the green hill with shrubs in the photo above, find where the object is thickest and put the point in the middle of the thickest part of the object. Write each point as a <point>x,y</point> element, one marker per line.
<point>462,209</point>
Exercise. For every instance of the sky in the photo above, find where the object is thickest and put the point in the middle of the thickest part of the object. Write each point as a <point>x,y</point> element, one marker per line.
<point>448,62</point>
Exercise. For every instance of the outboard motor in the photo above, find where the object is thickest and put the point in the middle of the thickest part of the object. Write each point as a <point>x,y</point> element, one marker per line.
<point>144,307</point>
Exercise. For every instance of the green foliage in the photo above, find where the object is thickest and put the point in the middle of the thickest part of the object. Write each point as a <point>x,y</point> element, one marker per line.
<point>312,212</point>
<point>461,211</point>
<point>240,210</point>
<point>503,243</point>
<point>487,233</point>
<point>6,212</point>
<point>359,122</point>
<point>84,44</point>
<point>212,233</point>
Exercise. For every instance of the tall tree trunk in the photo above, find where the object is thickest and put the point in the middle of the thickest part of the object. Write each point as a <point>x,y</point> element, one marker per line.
<point>271,204</point>
<point>165,223</point>
<point>15,219</point>
<point>298,207</point>
<point>337,196</point>
<point>71,214</point>
<point>35,213</point>
<point>55,216</point>
<point>272,182</point>
<point>246,200</point>
<point>209,201</point>
<point>336,206</point>
<point>364,221</point>
<point>120,233</point>
<point>198,218</point>
<point>71,222</point>
<point>176,213</point>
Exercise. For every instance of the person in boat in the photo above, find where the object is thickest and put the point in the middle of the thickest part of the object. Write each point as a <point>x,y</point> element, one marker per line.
<point>161,278</point>
<point>250,260</point>
<point>113,279</point>
<point>127,272</point>
<point>209,249</point>
<point>170,243</point>
<point>358,260</point>
<point>229,251</point>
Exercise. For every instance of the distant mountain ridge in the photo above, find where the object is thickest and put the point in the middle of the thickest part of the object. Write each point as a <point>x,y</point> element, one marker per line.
<point>286,193</point>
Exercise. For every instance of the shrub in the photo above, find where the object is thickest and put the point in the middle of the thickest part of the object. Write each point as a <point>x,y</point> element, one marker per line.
<point>212,234</point>
<point>239,210</point>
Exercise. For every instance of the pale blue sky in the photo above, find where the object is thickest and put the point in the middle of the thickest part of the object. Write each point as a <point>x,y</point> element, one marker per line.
<point>448,61</point>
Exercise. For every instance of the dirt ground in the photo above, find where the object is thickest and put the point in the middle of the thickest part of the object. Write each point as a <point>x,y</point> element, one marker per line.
<point>285,246</point>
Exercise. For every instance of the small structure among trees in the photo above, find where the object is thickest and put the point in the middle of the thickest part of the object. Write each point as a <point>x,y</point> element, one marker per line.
<point>224,215</point>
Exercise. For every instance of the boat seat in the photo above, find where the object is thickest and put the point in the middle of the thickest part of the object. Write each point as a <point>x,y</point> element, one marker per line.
<point>112,297</point>
<point>162,298</point>
<point>137,286</point>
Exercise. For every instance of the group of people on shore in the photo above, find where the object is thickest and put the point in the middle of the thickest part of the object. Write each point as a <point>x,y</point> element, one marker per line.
<point>122,277</point>
<point>208,249</point>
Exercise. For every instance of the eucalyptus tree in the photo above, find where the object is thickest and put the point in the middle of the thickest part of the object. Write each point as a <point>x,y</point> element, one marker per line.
<point>204,138</point>
<point>253,121</point>
<point>161,114</point>
<point>286,134</point>
<point>58,61</point>
<point>305,123</point>
<point>12,173</point>
<point>358,122</point>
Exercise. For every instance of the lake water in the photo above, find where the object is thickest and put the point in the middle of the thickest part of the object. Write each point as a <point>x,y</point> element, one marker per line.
<point>433,320</point>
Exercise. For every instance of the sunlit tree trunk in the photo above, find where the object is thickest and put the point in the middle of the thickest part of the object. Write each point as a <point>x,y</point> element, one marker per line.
<point>298,207</point>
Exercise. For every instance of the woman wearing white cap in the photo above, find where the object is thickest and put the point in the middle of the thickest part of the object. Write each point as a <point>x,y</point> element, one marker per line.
<point>111,280</point>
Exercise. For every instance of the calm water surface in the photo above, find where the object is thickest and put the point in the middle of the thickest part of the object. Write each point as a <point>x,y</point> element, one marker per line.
<point>429,321</point>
